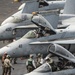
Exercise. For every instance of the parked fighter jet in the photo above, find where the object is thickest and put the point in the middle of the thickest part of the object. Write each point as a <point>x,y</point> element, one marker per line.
<point>58,34</point>
<point>18,19</point>
<point>21,18</point>
<point>31,6</point>
<point>47,69</point>
<point>11,31</point>
<point>28,43</point>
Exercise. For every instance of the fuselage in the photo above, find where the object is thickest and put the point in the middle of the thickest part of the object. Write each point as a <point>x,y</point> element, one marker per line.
<point>25,19</point>
<point>45,69</point>
<point>63,72</point>
<point>24,45</point>
<point>52,5</point>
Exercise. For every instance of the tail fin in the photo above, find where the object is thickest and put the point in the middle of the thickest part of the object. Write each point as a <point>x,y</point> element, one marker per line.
<point>30,6</point>
<point>44,23</point>
<point>52,18</point>
<point>69,7</point>
<point>22,6</point>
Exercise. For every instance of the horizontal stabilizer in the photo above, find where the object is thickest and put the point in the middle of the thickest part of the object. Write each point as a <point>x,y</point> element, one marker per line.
<point>35,43</point>
<point>26,27</point>
<point>57,41</point>
<point>65,41</point>
<point>62,26</point>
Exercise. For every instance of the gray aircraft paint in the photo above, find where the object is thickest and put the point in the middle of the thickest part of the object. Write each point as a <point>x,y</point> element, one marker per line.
<point>69,7</point>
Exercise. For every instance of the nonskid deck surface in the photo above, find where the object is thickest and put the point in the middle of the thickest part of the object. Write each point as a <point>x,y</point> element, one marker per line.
<point>19,68</point>
<point>7,8</point>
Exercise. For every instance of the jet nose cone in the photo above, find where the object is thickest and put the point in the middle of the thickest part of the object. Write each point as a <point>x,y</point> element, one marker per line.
<point>8,20</point>
<point>3,35</point>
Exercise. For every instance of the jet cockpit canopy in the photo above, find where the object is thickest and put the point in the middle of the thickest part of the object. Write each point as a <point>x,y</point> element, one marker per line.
<point>30,34</point>
<point>44,68</point>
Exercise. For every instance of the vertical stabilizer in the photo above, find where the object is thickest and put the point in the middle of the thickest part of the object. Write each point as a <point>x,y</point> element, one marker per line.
<point>69,7</point>
<point>52,19</point>
<point>30,6</point>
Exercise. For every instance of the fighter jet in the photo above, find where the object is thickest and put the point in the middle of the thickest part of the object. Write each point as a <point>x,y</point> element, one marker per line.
<point>58,35</point>
<point>47,69</point>
<point>27,44</point>
<point>11,31</point>
<point>31,6</point>
<point>35,41</point>
<point>17,21</point>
